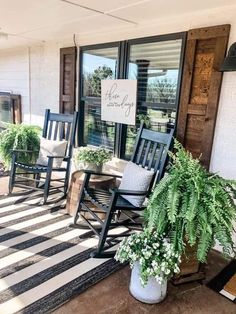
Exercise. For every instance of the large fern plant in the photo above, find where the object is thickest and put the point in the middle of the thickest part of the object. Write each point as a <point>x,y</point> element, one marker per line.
<point>19,136</point>
<point>191,205</point>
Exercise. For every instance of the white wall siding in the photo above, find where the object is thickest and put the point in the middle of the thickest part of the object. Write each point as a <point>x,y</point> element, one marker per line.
<point>34,74</point>
<point>44,80</point>
<point>223,158</point>
<point>14,75</point>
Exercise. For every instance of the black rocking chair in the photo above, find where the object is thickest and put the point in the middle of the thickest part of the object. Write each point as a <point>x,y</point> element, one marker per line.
<point>150,152</point>
<point>56,127</point>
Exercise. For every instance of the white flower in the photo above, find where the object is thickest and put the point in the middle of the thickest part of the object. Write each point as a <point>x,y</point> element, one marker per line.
<point>176,269</point>
<point>154,263</point>
<point>159,279</point>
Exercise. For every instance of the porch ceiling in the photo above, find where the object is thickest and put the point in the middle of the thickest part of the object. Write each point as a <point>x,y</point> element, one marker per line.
<point>29,21</point>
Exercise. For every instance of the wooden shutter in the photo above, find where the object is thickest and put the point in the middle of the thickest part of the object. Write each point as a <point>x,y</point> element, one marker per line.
<point>67,79</point>
<point>201,84</point>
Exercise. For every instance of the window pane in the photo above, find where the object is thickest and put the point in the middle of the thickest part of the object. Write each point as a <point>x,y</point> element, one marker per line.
<point>98,64</point>
<point>5,109</point>
<point>96,131</point>
<point>156,67</point>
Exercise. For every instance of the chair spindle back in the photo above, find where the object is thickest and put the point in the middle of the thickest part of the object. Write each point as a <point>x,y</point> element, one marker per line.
<point>61,127</point>
<point>150,151</point>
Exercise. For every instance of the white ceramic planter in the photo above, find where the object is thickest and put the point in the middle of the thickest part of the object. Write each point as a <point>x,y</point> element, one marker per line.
<point>152,293</point>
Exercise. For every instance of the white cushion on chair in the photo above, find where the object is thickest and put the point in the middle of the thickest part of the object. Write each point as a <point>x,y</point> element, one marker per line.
<point>51,148</point>
<point>135,178</point>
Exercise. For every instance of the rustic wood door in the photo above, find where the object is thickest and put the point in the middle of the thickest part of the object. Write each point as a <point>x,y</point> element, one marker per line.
<point>67,79</point>
<point>200,91</point>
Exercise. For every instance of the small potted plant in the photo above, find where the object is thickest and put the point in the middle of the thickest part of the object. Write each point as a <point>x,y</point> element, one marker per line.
<point>153,260</point>
<point>90,158</point>
<point>194,208</point>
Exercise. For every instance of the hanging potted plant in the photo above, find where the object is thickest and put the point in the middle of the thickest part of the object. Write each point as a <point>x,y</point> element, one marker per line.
<point>193,207</point>
<point>153,260</point>
<point>89,158</point>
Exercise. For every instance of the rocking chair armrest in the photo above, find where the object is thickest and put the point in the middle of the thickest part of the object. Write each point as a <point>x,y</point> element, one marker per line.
<point>128,192</point>
<point>102,173</point>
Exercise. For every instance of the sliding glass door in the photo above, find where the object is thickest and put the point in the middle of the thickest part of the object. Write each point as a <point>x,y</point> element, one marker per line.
<point>156,64</point>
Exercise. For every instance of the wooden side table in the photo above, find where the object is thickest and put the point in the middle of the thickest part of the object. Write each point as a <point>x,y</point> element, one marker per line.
<point>75,185</point>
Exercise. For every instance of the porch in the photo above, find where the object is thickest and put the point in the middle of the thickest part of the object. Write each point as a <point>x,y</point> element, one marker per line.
<point>175,53</point>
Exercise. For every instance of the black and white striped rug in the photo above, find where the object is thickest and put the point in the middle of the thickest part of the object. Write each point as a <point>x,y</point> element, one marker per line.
<point>43,262</point>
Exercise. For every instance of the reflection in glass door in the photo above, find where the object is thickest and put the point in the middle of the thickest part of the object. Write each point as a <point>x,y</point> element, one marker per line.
<point>97,64</point>
<point>156,66</point>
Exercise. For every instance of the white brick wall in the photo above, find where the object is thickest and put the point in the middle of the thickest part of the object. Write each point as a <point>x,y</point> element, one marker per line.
<point>44,80</point>
<point>14,75</point>
<point>34,74</point>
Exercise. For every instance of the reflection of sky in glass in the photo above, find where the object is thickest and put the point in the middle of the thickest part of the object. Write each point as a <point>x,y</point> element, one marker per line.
<point>92,62</point>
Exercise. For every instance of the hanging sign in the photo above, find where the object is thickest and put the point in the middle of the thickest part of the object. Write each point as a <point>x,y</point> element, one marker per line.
<point>119,101</point>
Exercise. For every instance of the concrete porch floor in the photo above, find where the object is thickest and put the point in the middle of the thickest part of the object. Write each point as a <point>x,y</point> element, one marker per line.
<point>111,295</point>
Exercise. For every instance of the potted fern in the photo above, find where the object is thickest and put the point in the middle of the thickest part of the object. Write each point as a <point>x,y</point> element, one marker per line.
<point>22,137</point>
<point>193,207</point>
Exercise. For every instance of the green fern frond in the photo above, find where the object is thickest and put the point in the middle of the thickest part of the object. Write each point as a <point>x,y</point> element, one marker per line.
<point>191,205</point>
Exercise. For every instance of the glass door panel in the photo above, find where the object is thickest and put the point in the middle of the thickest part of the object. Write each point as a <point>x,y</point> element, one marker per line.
<point>156,66</point>
<point>97,64</point>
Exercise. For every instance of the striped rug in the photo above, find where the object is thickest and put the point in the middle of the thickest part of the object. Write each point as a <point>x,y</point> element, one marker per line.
<point>43,262</point>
